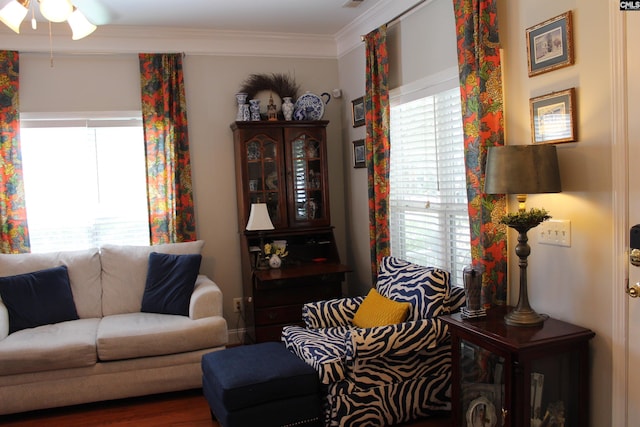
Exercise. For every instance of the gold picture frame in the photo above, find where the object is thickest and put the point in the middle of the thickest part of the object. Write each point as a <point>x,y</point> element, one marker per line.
<point>553,117</point>
<point>550,44</point>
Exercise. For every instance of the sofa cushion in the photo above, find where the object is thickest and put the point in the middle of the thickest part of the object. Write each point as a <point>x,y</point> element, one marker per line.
<point>84,274</point>
<point>128,336</point>
<point>377,310</point>
<point>170,282</point>
<point>38,298</point>
<point>124,273</point>
<point>426,288</point>
<point>45,348</point>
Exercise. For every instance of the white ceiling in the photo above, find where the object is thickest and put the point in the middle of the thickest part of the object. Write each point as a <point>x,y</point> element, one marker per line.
<point>326,28</point>
<point>326,17</point>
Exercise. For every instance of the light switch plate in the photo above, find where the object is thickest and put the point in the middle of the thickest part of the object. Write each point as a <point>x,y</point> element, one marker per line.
<point>555,232</point>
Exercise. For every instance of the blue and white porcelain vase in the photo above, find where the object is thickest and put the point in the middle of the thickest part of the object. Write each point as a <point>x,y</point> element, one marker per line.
<point>241,98</point>
<point>287,108</point>
<point>246,114</point>
<point>254,106</point>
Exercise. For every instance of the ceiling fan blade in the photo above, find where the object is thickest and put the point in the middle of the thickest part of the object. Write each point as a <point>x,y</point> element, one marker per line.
<point>95,11</point>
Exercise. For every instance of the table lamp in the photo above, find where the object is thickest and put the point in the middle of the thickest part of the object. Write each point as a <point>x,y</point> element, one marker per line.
<point>522,170</point>
<point>259,220</point>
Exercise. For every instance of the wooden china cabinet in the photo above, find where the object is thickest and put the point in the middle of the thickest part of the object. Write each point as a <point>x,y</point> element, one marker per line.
<point>284,165</point>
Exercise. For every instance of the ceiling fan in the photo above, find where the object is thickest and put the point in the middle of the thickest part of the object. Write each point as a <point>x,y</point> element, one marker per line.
<point>14,12</point>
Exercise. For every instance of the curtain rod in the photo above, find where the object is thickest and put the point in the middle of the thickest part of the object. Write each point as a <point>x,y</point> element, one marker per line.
<point>400,15</point>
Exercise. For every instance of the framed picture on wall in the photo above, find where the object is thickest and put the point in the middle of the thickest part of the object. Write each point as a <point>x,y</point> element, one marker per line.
<point>550,45</point>
<point>357,111</point>
<point>553,117</point>
<point>359,154</point>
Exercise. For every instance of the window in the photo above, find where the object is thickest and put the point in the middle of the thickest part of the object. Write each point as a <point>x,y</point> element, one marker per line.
<point>428,202</point>
<point>85,180</point>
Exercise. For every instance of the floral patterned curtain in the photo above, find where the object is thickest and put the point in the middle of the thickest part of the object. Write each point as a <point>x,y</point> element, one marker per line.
<point>14,235</point>
<point>164,115</point>
<point>482,115</point>
<point>377,143</point>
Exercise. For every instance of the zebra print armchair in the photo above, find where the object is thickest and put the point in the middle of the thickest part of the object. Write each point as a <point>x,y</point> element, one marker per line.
<point>382,375</point>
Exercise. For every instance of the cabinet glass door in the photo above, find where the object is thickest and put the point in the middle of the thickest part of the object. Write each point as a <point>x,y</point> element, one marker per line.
<point>482,385</point>
<point>553,398</point>
<point>263,176</point>
<point>308,200</point>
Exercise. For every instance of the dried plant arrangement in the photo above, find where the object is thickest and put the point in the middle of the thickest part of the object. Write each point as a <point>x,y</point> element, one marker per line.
<point>281,84</point>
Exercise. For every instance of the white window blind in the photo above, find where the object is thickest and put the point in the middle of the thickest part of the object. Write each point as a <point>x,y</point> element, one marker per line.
<point>428,201</point>
<point>85,181</point>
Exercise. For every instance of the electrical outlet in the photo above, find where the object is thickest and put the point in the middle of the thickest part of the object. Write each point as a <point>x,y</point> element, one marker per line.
<point>555,232</point>
<point>237,305</point>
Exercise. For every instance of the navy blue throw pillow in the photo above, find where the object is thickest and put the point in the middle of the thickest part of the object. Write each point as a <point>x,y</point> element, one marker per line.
<point>170,282</point>
<point>39,298</point>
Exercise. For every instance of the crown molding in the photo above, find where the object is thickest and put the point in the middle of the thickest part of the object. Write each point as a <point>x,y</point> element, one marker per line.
<point>127,39</point>
<point>114,39</point>
<point>350,37</point>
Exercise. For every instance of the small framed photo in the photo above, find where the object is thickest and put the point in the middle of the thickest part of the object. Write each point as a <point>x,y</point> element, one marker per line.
<point>550,44</point>
<point>357,111</point>
<point>553,117</point>
<point>359,154</point>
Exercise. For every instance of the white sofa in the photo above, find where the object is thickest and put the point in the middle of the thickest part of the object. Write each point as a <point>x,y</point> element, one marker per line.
<point>113,350</point>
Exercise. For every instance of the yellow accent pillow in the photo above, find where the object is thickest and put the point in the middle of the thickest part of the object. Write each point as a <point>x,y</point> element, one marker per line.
<point>378,310</point>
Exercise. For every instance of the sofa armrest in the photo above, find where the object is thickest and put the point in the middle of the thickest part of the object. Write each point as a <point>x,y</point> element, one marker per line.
<point>4,321</point>
<point>395,340</point>
<point>206,299</point>
<point>330,313</point>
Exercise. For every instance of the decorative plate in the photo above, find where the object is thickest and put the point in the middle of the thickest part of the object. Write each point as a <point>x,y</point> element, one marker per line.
<point>481,412</point>
<point>309,107</point>
<point>272,181</point>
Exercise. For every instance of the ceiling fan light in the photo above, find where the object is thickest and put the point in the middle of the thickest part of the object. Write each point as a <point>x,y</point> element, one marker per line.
<point>56,10</point>
<point>14,13</point>
<point>80,25</point>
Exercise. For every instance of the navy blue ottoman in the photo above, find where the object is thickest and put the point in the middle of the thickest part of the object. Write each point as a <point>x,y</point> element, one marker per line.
<point>260,385</point>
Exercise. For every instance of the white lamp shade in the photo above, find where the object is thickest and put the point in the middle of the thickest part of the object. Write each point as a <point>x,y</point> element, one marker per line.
<point>80,25</point>
<point>259,218</point>
<point>56,10</point>
<point>14,13</point>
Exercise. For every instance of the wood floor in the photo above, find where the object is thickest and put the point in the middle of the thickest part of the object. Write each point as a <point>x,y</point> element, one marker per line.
<point>183,409</point>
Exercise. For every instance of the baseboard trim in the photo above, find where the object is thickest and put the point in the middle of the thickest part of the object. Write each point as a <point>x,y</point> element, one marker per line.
<point>236,336</point>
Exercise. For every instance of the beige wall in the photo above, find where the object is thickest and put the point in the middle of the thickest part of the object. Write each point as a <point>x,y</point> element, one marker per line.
<point>111,82</point>
<point>412,57</point>
<point>574,283</point>
<point>356,198</point>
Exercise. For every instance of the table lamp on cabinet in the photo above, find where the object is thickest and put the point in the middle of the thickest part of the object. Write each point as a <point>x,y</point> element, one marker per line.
<point>522,170</point>
<point>260,221</point>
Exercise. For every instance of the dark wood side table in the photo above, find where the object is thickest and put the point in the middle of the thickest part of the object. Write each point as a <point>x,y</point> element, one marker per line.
<point>518,376</point>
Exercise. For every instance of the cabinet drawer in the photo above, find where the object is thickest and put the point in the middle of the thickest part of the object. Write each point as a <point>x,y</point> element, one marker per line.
<point>282,314</point>
<point>297,282</point>
<point>296,296</point>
